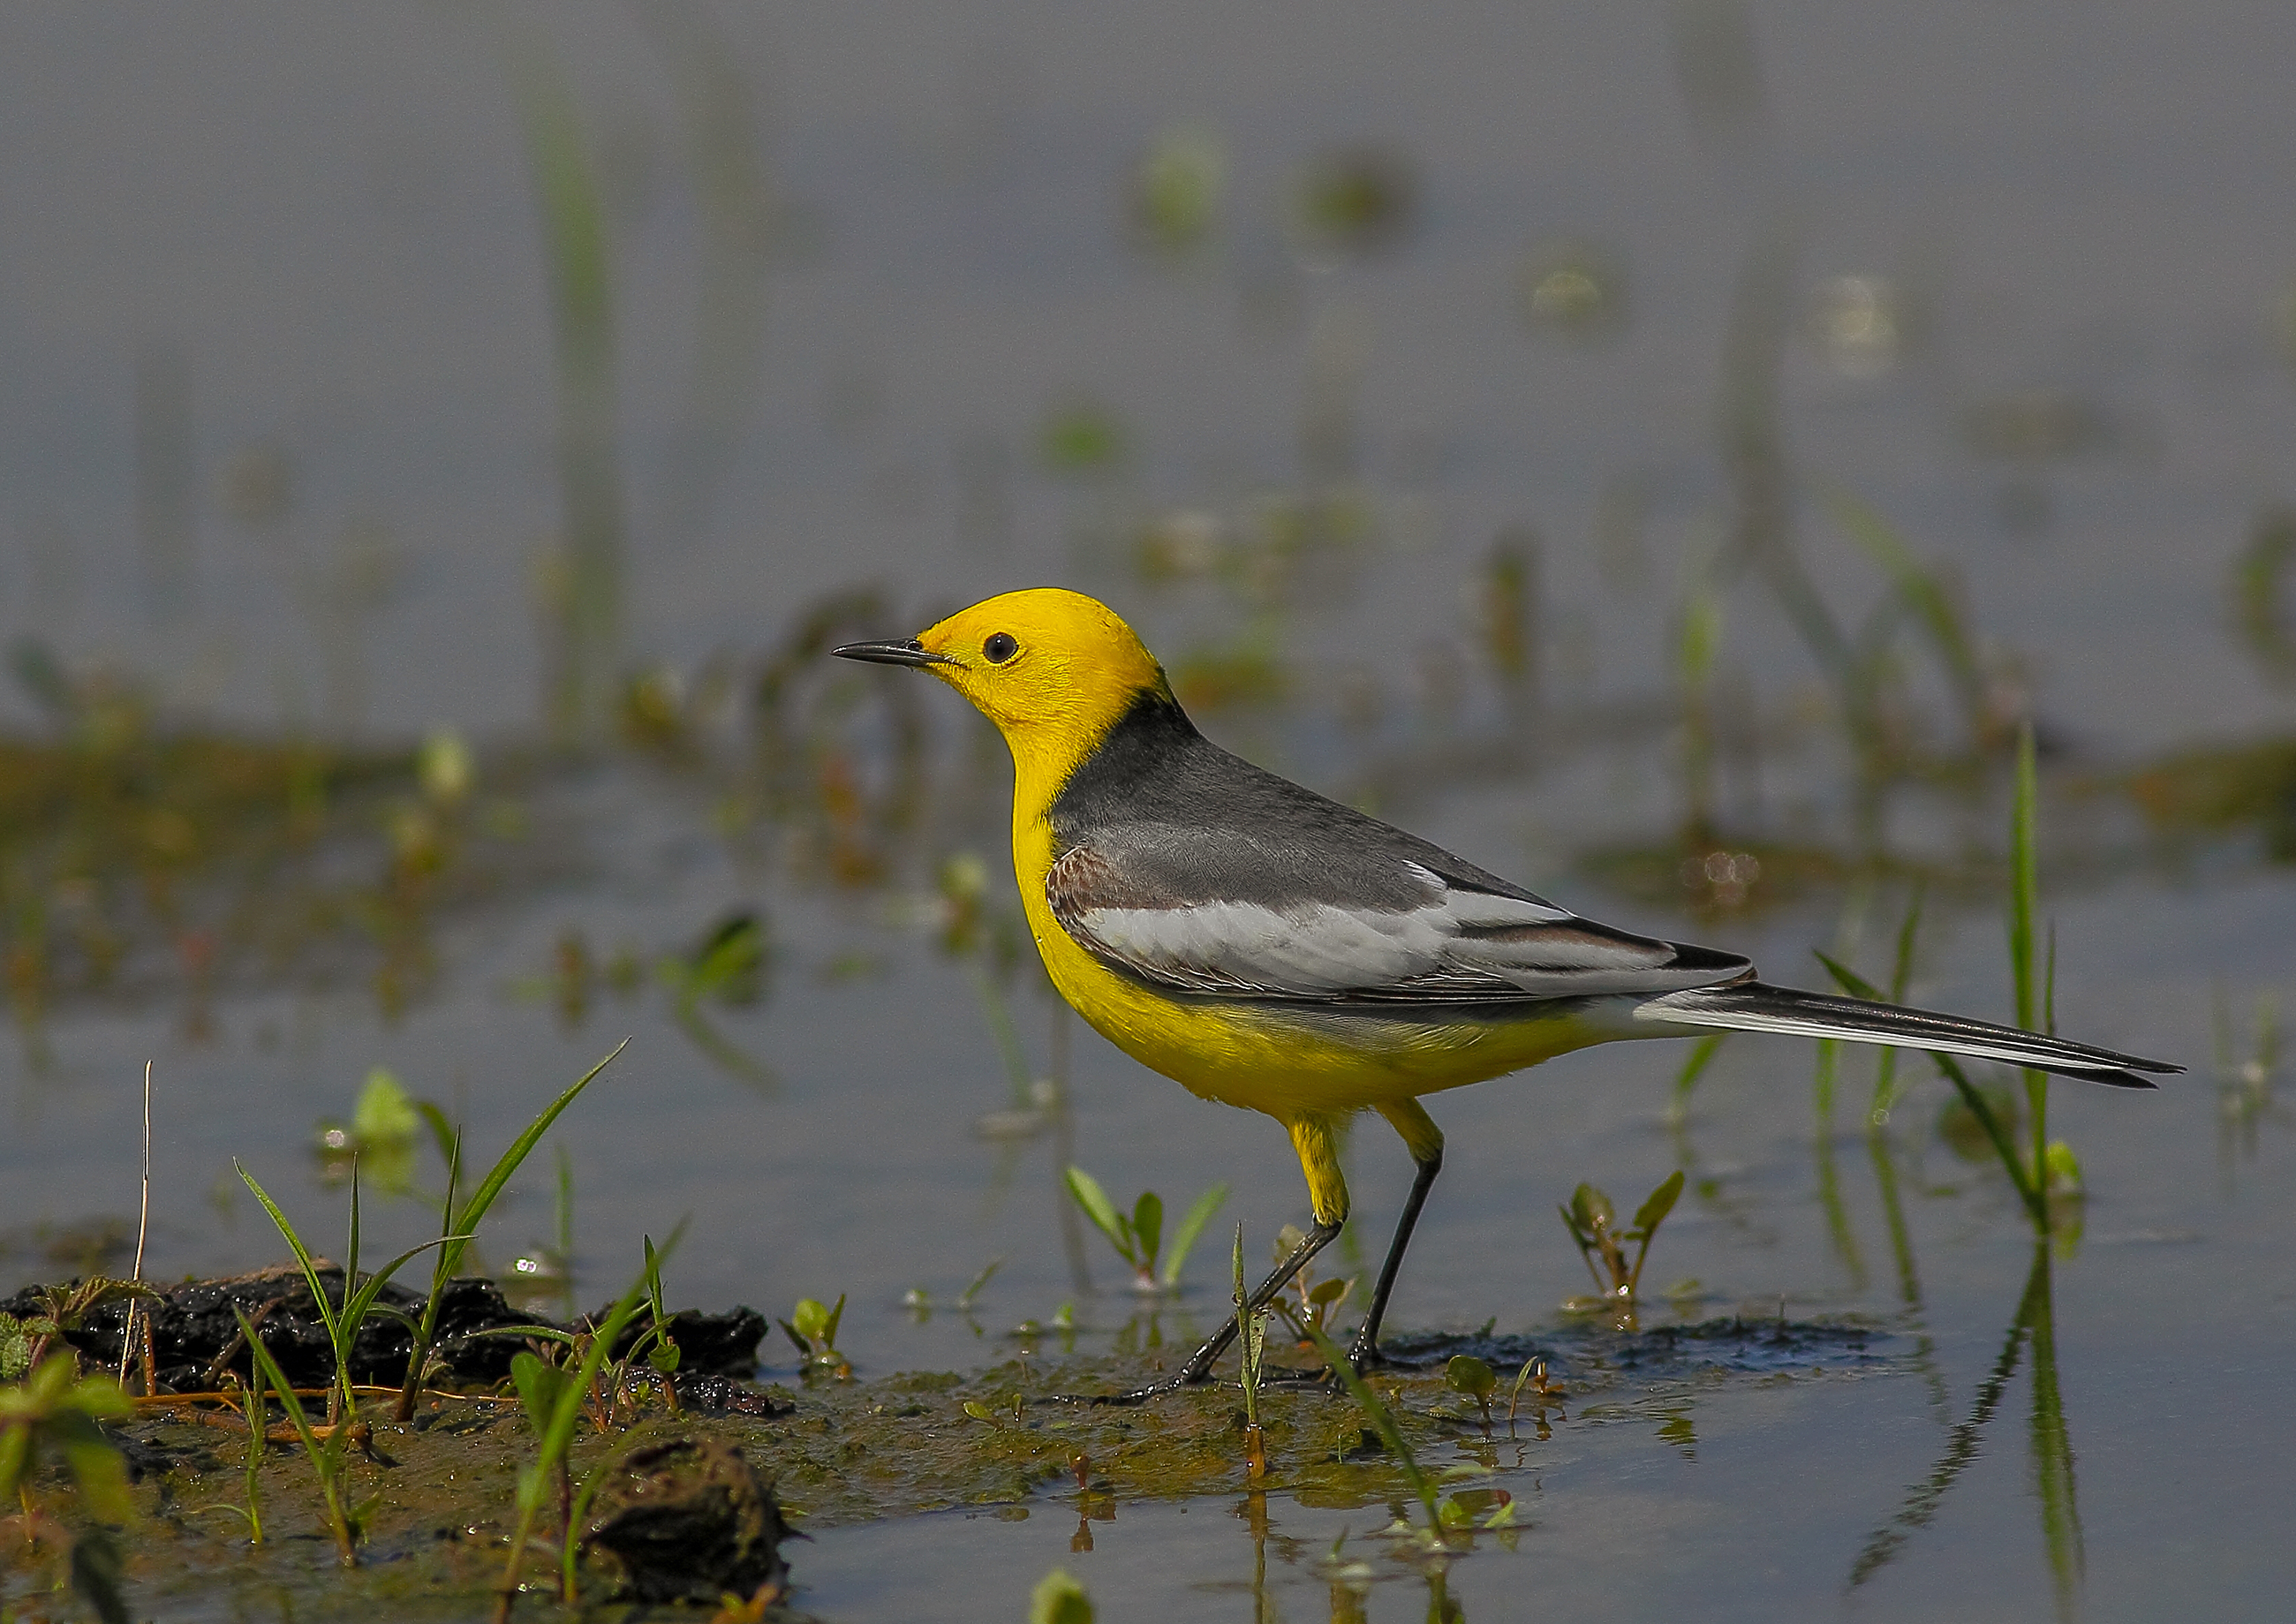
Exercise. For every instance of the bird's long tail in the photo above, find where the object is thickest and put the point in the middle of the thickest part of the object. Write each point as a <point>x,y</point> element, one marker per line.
<point>1755,1006</point>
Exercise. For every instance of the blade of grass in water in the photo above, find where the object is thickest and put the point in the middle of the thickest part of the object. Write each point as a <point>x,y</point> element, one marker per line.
<point>1893,1212</point>
<point>458,1227</point>
<point>1921,591</point>
<point>2004,1146</point>
<point>1701,1056</point>
<point>1383,1422</point>
<point>1901,975</point>
<point>2024,872</point>
<point>557,1436</point>
<point>1829,1178</point>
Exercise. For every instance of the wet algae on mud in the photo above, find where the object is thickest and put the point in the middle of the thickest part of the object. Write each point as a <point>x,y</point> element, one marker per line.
<point>735,1458</point>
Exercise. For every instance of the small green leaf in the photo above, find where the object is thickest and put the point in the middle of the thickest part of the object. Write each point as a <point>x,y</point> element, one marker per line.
<point>1653,1212</point>
<point>1148,1226</point>
<point>1102,1211</point>
<point>810,1319</point>
<point>385,1114</point>
<point>1470,1375</point>
<point>95,1465</point>
<point>1060,1599</point>
<point>1325,1293</point>
<point>538,1386</point>
<point>987,1271</point>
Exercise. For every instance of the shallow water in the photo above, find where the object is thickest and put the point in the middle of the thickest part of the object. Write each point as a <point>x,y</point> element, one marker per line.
<point>328,220</point>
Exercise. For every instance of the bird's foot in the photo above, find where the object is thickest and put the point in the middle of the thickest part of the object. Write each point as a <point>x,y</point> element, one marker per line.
<point>1367,1355</point>
<point>1361,1358</point>
<point>1139,1395</point>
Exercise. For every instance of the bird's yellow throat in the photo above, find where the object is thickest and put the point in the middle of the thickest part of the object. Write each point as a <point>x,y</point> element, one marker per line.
<point>1073,671</point>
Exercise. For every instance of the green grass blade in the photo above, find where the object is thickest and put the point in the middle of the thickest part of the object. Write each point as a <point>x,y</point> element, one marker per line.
<point>2004,1146</point>
<point>326,1459</point>
<point>442,1131</point>
<point>2024,877</point>
<point>295,1244</point>
<point>278,1378</point>
<point>1701,1056</point>
<point>1901,975</point>
<point>1858,987</point>
<point>567,1413</point>
<point>483,1197</point>
<point>1901,971</point>
<point>1382,1420</point>
<point>2024,900</point>
<point>1102,1211</point>
<point>570,1553</point>
<point>1191,1224</point>
<point>362,1301</point>
<point>1921,591</point>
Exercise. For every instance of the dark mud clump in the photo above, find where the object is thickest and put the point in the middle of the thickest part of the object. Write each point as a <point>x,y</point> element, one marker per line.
<point>687,1520</point>
<point>1741,1346</point>
<point>195,1334</point>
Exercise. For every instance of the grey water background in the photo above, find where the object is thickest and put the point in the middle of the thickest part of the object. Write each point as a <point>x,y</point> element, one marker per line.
<point>317,230</point>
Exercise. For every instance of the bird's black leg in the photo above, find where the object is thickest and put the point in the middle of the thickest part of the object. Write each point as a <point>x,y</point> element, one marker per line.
<point>1199,1367</point>
<point>1366,1352</point>
<point>1426,1142</point>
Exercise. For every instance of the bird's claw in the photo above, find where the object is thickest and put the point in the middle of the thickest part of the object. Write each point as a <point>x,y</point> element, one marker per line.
<point>1363,1356</point>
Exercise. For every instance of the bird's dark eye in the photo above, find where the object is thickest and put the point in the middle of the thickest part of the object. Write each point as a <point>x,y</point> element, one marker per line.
<point>1000,647</point>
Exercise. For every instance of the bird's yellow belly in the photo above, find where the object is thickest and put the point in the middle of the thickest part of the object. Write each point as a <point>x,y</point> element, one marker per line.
<point>1288,1062</point>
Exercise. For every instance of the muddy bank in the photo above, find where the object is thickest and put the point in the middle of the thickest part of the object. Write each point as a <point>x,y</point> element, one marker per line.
<point>195,1335</point>
<point>696,1492</point>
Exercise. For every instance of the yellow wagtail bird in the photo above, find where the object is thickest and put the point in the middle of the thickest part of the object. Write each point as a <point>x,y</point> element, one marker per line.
<point>1269,948</point>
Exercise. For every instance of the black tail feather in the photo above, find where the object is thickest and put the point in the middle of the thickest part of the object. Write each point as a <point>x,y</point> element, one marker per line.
<point>1756,1007</point>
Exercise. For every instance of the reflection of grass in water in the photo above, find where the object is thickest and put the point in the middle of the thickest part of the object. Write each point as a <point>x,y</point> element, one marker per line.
<point>2024,896</point>
<point>2051,1443</point>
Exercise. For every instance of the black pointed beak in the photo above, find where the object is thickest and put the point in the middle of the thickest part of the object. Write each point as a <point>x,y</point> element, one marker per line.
<point>909,652</point>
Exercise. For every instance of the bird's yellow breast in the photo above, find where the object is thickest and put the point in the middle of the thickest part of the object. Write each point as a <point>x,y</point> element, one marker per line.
<point>1289,1063</point>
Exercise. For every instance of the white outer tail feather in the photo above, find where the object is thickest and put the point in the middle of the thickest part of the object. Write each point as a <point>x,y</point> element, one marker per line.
<point>1754,1006</point>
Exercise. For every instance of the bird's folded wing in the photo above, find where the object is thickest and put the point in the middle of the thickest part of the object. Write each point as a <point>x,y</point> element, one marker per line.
<point>1191,917</point>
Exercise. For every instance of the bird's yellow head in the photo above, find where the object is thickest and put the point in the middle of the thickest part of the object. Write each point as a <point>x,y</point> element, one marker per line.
<point>1053,669</point>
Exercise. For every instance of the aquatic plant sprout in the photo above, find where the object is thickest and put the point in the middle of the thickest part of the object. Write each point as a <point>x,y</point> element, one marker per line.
<point>1593,1227</point>
<point>1138,1237</point>
<point>459,1224</point>
<point>557,1405</point>
<point>342,1320</point>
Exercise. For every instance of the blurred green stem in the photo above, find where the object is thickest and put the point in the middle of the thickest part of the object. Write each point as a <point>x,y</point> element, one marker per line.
<point>2025,885</point>
<point>583,597</point>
